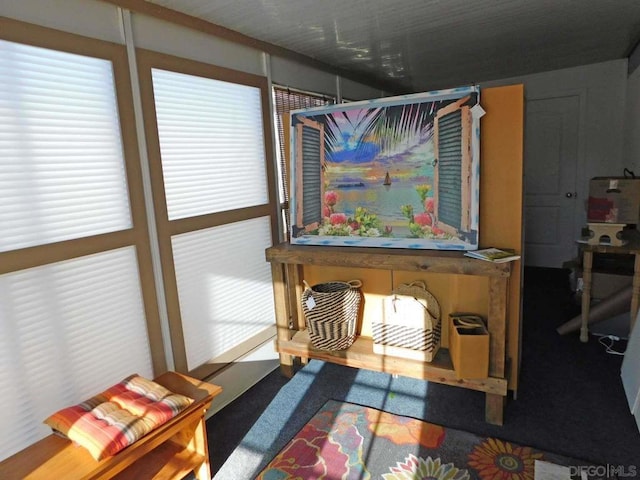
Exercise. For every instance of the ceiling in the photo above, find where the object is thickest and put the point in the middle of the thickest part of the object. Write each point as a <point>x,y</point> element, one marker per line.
<point>420,45</point>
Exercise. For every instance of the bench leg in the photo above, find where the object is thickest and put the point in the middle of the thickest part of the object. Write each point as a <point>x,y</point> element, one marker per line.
<point>199,444</point>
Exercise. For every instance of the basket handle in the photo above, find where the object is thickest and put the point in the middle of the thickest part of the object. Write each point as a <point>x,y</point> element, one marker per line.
<point>469,321</point>
<point>352,284</point>
<point>417,283</point>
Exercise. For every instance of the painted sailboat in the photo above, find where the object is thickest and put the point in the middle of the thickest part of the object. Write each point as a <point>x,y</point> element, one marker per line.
<point>387,180</point>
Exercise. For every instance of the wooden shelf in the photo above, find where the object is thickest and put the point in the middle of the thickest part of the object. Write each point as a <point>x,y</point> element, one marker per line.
<point>166,462</point>
<point>361,355</point>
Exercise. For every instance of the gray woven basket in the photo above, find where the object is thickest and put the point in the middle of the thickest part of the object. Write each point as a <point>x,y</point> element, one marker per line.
<point>331,312</point>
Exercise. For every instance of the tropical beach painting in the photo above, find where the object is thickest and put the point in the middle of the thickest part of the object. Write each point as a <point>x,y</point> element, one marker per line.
<point>398,172</point>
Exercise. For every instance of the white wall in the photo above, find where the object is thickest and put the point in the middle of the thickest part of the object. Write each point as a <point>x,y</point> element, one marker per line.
<point>162,36</point>
<point>101,20</point>
<point>631,153</point>
<point>251,368</point>
<point>356,91</point>
<point>89,18</point>
<point>602,89</point>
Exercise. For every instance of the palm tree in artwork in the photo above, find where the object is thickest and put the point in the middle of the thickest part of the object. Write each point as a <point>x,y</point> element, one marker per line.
<point>382,132</point>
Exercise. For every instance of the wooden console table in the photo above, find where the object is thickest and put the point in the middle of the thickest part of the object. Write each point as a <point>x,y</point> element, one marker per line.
<point>293,339</point>
<point>171,451</point>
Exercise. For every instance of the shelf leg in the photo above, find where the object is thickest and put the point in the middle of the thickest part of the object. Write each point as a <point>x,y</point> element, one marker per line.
<point>283,332</point>
<point>494,408</point>
<point>286,370</point>
<point>294,281</point>
<point>497,325</point>
<point>587,262</point>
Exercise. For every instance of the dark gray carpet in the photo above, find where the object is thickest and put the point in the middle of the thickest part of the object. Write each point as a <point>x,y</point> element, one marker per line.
<point>570,399</point>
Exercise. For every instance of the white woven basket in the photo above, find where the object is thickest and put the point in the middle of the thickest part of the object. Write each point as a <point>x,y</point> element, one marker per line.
<point>410,327</point>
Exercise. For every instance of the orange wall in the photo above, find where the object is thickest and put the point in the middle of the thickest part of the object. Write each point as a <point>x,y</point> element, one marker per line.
<point>501,200</point>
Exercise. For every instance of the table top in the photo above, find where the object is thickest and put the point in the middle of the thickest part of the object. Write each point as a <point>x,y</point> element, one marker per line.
<point>433,261</point>
<point>632,245</point>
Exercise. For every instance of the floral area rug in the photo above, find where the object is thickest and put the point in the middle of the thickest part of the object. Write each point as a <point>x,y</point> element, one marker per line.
<point>351,442</point>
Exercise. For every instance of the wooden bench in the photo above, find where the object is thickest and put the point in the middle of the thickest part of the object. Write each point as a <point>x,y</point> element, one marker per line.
<point>171,451</point>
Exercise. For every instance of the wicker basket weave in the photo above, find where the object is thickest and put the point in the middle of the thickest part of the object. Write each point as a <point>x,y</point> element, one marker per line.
<point>413,331</point>
<point>331,311</point>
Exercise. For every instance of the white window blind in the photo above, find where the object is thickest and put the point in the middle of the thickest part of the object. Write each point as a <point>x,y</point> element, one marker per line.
<point>68,330</point>
<point>61,162</point>
<point>211,144</point>
<point>224,285</point>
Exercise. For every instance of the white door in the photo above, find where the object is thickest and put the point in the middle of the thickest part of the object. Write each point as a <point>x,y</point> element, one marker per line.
<point>550,165</point>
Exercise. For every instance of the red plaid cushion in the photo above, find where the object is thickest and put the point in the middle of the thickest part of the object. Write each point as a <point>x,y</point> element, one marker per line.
<point>117,417</point>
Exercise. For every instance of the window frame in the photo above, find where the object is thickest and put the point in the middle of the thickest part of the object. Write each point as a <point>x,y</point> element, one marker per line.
<point>285,100</point>
<point>137,236</point>
<point>166,229</point>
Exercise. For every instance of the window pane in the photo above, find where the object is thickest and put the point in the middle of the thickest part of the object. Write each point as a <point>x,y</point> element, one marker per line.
<point>211,144</point>
<point>224,286</point>
<point>62,171</point>
<point>67,331</point>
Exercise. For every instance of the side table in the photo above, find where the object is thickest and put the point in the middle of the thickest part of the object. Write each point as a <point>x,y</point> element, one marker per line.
<point>633,248</point>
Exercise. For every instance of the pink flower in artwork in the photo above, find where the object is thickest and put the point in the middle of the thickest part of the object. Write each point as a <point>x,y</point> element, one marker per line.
<point>437,231</point>
<point>330,198</point>
<point>423,219</point>
<point>428,204</point>
<point>354,225</point>
<point>388,229</point>
<point>338,218</point>
<point>326,211</point>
